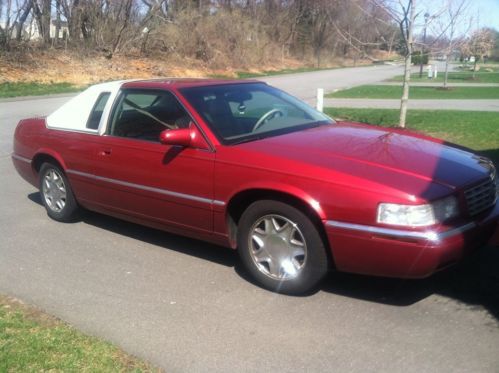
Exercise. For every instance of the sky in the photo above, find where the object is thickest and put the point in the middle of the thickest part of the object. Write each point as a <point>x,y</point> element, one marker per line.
<point>488,12</point>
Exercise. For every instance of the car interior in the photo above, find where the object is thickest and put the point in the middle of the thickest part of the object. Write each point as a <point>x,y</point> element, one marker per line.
<point>145,115</point>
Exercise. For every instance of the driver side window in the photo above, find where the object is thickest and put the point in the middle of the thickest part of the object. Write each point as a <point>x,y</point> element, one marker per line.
<point>144,114</point>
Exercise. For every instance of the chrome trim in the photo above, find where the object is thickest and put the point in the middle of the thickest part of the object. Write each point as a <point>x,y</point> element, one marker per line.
<point>148,188</point>
<point>19,158</point>
<point>398,233</point>
<point>87,131</point>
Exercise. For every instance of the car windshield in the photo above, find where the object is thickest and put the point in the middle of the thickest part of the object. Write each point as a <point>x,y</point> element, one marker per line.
<point>248,111</point>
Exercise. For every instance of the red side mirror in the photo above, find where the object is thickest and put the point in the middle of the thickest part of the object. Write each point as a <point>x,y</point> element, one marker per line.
<point>179,137</point>
<point>186,137</point>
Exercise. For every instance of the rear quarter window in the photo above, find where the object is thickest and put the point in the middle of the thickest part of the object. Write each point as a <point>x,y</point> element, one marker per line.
<point>97,110</point>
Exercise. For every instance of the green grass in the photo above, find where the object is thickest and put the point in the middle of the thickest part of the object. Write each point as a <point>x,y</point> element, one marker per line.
<point>476,130</point>
<point>32,341</point>
<point>394,92</point>
<point>35,89</point>
<point>456,77</point>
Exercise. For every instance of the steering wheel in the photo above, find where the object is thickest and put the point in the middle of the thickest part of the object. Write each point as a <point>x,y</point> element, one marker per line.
<point>265,117</point>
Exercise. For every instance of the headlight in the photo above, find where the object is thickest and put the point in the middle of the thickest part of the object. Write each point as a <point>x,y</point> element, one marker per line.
<point>419,215</point>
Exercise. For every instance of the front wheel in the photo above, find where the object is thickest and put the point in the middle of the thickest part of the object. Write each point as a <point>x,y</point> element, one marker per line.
<point>56,193</point>
<point>281,248</point>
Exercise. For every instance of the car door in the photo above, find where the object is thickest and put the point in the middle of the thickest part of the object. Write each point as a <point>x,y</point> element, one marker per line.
<point>139,177</point>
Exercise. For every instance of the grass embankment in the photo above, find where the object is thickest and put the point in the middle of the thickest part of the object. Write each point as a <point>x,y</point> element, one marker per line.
<point>475,130</point>
<point>35,89</point>
<point>394,92</point>
<point>455,77</point>
<point>32,341</point>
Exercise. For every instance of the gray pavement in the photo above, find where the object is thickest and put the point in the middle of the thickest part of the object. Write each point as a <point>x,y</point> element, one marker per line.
<point>304,85</point>
<point>468,105</point>
<point>185,305</point>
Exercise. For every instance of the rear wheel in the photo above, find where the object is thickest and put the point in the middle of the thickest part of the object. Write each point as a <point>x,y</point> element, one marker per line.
<point>56,193</point>
<point>281,247</point>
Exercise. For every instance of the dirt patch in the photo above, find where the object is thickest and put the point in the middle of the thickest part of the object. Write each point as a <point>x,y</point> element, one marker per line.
<point>30,312</point>
<point>59,67</point>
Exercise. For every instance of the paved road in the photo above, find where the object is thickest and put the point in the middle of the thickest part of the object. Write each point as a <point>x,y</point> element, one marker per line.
<point>186,305</point>
<point>474,105</point>
<point>305,85</point>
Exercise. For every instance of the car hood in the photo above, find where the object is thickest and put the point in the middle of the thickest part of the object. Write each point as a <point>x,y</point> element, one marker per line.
<point>368,151</point>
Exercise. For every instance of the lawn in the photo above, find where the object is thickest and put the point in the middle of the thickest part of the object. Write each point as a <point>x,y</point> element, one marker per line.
<point>475,130</point>
<point>394,92</point>
<point>35,89</point>
<point>456,77</point>
<point>32,341</point>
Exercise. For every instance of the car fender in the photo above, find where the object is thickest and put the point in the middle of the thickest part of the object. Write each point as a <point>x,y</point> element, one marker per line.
<point>284,189</point>
<point>49,152</point>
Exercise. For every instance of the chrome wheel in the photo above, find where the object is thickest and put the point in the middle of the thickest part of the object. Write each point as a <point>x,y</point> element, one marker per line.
<point>54,190</point>
<point>277,247</point>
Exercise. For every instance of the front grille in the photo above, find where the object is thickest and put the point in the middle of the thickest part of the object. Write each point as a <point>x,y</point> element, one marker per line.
<point>480,197</point>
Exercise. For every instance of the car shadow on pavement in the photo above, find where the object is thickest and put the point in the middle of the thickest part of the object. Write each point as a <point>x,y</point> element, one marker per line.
<point>184,245</point>
<point>474,283</point>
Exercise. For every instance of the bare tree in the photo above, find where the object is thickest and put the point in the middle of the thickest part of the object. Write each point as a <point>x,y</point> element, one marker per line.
<point>25,11</point>
<point>454,15</point>
<point>404,14</point>
<point>479,45</point>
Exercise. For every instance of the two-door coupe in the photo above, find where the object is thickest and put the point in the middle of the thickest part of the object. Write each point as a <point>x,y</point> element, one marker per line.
<point>247,166</point>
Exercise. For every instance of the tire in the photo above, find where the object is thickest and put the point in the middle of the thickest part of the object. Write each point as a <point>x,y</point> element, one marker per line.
<point>281,248</point>
<point>56,194</point>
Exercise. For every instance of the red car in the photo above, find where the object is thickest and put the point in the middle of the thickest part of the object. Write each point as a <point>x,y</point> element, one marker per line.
<point>244,165</point>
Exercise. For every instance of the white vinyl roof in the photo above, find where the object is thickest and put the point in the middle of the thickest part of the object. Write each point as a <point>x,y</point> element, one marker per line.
<point>74,114</point>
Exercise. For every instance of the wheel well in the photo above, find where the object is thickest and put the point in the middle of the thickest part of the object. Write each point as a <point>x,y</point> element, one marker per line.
<point>241,201</point>
<point>42,158</point>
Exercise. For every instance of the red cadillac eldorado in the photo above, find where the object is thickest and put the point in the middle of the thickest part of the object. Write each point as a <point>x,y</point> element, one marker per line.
<point>247,166</point>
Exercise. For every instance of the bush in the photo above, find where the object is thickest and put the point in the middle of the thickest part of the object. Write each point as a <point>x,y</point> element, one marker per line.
<point>419,58</point>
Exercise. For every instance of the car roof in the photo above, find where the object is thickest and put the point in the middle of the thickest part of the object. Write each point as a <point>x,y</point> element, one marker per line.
<point>183,82</point>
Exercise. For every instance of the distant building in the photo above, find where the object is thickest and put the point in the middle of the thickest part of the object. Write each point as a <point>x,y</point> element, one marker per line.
<point>32,32</point>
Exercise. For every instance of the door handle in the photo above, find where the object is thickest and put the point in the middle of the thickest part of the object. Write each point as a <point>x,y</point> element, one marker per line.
<point>105,152</point>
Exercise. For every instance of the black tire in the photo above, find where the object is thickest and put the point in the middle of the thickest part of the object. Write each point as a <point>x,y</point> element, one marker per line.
<point>65,212</point>
<point>307,269</point>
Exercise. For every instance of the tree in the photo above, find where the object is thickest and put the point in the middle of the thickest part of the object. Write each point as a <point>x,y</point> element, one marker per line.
<point>25,11</point>
<point>42,10</point>
<point>404,14</point>
<point>454,14</point>
<point>479,45</point>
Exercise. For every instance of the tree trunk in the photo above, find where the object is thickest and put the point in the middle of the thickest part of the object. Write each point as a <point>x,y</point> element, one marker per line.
<point>46,18</point>
<point>405,91</point>
<point>57,22</point>
<point>408,59</point>
<point>128,9</point>
<point>446,76</point>
<point>22,19</point>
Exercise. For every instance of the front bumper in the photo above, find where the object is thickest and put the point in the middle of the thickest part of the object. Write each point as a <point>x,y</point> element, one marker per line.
<point>390,252</point>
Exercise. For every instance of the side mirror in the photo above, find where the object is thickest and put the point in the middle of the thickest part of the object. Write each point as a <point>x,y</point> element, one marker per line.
<point>178,137</point>
<point>185,137</point>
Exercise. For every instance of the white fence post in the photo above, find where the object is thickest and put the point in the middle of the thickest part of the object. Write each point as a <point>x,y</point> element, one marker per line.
<point>320,99</point>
